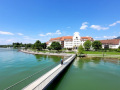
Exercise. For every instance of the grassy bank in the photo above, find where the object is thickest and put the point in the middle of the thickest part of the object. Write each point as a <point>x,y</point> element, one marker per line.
<point>105,53</point>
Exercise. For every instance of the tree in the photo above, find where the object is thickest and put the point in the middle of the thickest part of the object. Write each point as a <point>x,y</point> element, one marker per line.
<point>80,49</point>
<point>87,45</point>
<point>44,45</point>
<point>97,45</point>
<point>37,45</point>
<point>28,46</point>
<point>118,50</point>
<point>56,46</point>
<point>49,48</point>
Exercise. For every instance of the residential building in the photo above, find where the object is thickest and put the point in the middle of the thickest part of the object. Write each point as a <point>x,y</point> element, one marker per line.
<point>70,42</point>
<point>110,43</point>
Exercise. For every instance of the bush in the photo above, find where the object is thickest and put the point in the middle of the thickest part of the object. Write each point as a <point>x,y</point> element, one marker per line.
<point>97,45</point>
<point>118,50</point>
<point>80,49</point>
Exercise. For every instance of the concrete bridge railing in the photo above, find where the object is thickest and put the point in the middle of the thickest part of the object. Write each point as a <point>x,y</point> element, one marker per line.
<point>47,78</point>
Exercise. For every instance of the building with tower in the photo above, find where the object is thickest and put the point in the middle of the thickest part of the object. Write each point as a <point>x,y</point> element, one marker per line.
<point>70,42</point>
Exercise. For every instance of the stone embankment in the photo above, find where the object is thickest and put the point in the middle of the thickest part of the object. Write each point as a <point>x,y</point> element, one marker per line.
<point>47,53</point>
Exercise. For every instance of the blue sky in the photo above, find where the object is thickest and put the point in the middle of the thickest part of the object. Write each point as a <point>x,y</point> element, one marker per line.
<point>30,20</point>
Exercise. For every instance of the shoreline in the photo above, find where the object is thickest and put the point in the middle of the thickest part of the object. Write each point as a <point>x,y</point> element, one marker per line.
<point>105,56</point>
<point>67,54</point>
<point>47,53</point>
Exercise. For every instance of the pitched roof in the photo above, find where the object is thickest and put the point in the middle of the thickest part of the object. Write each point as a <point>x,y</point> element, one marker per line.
<point>61,38</point>
<point>66,37</point>
<point>110,41</point>
<point>69,37</point>
<point>89,38</point>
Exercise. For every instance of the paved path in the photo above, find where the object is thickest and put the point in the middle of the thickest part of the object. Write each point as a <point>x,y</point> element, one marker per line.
<point>44,80</point>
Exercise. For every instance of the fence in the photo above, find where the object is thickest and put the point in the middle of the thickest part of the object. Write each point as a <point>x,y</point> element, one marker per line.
<point>43,81</point>
<point>21,84</point>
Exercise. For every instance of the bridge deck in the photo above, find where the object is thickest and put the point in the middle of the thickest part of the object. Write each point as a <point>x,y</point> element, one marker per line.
<point>44,80</point>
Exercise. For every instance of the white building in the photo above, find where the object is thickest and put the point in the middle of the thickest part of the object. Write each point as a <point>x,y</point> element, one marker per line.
<point>70,41</point>
<point>111,43</point>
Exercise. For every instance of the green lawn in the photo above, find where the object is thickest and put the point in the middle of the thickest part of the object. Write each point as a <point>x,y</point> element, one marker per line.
<point>98,52</point>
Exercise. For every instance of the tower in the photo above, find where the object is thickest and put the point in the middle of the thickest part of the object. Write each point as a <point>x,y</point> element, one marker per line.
<point>76,40</point>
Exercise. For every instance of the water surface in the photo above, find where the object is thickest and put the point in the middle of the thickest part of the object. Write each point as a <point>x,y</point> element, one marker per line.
<point>90,74</point>
<point>15,66</point>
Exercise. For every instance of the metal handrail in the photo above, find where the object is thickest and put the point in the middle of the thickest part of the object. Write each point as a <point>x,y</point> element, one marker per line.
<point>49,75</point>
<point>33,75</point>
<point>28,77</point>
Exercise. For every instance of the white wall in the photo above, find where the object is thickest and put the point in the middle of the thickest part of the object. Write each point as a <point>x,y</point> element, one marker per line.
<point>76,39</point>
<point>68,44</point>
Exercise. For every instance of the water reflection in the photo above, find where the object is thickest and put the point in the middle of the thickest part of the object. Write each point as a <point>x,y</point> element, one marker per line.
<point>81,62</point>
<point>46,57</point>
<point>39,57</point>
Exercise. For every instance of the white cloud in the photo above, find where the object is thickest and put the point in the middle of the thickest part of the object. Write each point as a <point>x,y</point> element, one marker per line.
<point>56,33</point>
<point>20,34</point>
<point>41,34</point>
<point>98,27</point>
<point>48,33</point>
<point>114,23</point>
<point>6,33</point>
<point>109,37</point>
<point>84,26</point>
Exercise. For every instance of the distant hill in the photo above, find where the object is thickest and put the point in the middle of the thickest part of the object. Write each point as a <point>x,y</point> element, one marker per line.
<point>118,37</point>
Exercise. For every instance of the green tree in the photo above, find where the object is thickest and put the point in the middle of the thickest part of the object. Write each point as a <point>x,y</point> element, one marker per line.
<point>56,46</point>
<point>44,45</point>
<point>37,45</point>
<point>97,45</point>
<point>28,46</point>
<point>49,48</point>
<point>80,49</point>
<point>87,45</point>
<point>118,50</point>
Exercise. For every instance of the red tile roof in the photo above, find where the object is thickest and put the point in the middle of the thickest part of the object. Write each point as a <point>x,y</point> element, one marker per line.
<point>89,38</point>
<point>110,41</point>
<point>69,37</point>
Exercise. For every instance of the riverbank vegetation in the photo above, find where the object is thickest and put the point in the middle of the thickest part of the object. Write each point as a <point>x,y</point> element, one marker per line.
<point>87,48</point>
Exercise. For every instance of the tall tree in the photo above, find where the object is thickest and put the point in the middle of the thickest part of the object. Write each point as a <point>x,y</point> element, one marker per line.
<point>44,45</point>
<point>87,45</point>
<point>97,45</point>
<point>28,46</point>
<point>37,45</point>
<point>80,49</point>
<point>56,46</point>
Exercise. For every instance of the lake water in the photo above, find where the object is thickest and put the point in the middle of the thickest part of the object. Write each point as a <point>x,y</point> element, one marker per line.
<point>89,74</point>
<point>82,74</point>
<point>15,66</point>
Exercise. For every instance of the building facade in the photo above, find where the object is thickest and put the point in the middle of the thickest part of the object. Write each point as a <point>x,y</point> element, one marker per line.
<point>111,43</point>
<point>70,42</point>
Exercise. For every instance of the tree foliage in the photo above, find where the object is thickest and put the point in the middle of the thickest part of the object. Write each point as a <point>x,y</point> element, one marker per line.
<point>43,45</point>
<point>118,50</point>
<point>49,48</point>
<point>87,45</point>
<point>28,46</point>
<point>37,45</point>
<point>56,46</point>
<point>80,49</point>
<point>97,45</point>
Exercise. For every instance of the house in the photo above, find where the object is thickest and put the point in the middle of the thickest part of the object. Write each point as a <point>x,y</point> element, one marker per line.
<point>110,43</point>
<point>70,42</point>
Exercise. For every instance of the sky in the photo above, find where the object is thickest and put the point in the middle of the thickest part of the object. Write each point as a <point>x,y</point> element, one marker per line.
<point>29,20</point>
